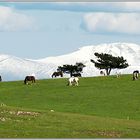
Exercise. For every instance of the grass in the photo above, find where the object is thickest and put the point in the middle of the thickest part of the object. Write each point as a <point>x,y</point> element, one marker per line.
<point>100,107</point>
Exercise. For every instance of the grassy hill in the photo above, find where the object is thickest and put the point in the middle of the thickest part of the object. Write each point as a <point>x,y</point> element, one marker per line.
<point>100,107</point>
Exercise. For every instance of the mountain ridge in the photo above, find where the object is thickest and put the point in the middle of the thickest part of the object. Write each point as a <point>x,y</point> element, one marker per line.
<point>15,68</point>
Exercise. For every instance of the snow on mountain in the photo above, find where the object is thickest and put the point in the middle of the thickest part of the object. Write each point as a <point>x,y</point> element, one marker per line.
<point>130,52</point>
<point>14,68</point>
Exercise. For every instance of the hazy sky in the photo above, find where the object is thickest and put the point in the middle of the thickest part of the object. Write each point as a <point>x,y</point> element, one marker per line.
<point>38,30</point>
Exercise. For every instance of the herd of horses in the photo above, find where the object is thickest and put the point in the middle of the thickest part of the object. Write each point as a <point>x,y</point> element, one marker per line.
<point>60,73</point>
<point>73,80</point>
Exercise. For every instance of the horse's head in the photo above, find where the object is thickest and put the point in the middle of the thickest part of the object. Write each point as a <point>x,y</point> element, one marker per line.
<point>53,74</point>
<point>25,80</point>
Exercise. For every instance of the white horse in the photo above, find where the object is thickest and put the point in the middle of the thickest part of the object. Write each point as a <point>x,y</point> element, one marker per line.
<point>73,81</point>
<point>118,74</point>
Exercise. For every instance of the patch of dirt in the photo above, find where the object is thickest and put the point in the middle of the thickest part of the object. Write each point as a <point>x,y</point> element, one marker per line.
<point>27,113</point>
<point>107,133</point>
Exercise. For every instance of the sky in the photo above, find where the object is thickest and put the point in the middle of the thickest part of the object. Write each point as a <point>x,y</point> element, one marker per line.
<point>37,30</point>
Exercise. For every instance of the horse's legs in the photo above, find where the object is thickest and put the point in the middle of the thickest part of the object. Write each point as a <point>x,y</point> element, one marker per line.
<point>137,75</point>
<point>25,82</point>
<point>70,83</point>
<point>133,77</point>
<point>76,83</point>
<point>33,81</point>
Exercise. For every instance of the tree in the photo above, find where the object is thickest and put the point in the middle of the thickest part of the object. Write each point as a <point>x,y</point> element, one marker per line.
<point>109,62</point>
<point>71,69</point>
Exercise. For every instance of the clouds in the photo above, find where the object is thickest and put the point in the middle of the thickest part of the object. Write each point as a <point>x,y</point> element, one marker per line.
<point>54,26</point>
<point>98,17</point>
<point>126,23</point>
<point>11,20</point>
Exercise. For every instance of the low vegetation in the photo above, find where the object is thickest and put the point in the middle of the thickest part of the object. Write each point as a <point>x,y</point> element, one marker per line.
<point>100,107</point>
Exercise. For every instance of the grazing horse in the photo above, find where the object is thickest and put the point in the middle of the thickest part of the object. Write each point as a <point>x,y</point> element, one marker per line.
<point>102,73</point>
<point>59,73</point>
<point>135,75</point>
<point>118,74</point>
<point>0,78</point>
<point>73,81</point>
<point>76,75</point>
<point>29,78</point>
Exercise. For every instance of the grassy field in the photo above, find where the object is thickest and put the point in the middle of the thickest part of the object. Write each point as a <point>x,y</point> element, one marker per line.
<point>100,107</point>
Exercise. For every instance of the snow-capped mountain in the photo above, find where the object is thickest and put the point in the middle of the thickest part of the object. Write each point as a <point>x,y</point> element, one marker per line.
<point>14,68</point>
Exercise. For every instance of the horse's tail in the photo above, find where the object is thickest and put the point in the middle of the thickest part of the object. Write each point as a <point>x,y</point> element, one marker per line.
<point>25,81</point>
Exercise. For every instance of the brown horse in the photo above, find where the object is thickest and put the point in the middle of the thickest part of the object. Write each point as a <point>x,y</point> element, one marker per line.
<point>29,78</point>
<point>59,73</point>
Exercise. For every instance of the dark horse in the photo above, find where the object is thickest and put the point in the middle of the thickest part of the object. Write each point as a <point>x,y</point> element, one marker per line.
<point>76,75</point>
<point>0,78</point>
<point>29,78</point>
<point>102,73</point>
<point>135,75</point>
<point>59,73</point>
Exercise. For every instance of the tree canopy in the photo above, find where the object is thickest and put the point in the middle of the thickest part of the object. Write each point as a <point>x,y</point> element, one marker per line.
<point>109,62</point>
<point>71,69</point>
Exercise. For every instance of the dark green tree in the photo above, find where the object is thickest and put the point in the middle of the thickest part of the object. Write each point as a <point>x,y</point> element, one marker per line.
<point>109,62</point>
<point>71,69</point>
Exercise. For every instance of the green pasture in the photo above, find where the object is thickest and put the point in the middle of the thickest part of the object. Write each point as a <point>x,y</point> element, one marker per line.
<point>100,107</point>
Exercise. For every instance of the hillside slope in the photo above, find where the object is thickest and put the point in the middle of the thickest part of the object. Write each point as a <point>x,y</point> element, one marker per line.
<point>100,107</point>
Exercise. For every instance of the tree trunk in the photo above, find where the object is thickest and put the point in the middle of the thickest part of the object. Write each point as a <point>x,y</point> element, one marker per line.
<point>108,70</point>
<point>71,74</point>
